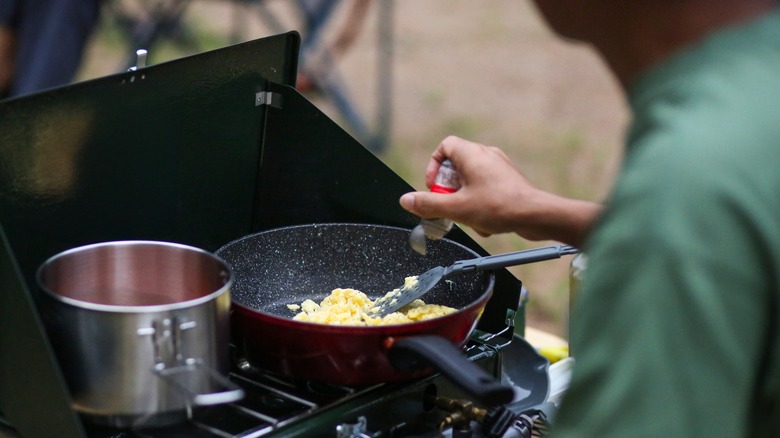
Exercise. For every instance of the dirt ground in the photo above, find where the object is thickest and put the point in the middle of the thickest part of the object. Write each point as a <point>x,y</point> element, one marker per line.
<point>489,71</point>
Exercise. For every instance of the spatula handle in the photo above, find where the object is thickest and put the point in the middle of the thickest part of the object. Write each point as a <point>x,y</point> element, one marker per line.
<point>512,259</point>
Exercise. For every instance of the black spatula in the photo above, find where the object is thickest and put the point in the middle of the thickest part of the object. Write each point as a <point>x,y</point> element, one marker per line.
<point>426,281</point>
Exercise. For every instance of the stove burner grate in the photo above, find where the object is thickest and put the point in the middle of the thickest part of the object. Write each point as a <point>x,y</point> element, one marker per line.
<point>276,405</point>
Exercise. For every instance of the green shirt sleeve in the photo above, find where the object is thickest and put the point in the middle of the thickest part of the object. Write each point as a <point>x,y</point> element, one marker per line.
<point>675,332</point>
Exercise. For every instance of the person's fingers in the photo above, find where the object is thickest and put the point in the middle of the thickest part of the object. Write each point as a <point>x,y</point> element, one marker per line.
<point>407,201</point>
<point>426,204</point>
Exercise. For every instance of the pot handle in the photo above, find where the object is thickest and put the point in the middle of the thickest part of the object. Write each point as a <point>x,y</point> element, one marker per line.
<point>172,376</point>
<point>415,352</point>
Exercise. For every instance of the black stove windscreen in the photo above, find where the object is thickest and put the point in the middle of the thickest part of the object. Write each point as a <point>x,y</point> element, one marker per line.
<point>200,151</point>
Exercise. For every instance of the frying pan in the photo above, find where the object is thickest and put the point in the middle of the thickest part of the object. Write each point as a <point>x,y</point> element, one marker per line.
<point>288,265</point>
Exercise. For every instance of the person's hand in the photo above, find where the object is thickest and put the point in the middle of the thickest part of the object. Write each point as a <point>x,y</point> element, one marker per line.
<point>496,198</point>
<point>491,188</point>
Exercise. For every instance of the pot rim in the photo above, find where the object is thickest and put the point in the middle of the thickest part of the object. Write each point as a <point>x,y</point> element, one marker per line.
<point>155,308</point>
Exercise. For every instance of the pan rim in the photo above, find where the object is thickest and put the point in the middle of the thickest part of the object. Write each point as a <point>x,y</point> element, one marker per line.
<point>480,301</point>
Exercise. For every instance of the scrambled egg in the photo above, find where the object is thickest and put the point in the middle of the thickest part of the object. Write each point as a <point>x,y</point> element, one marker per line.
<point>351,307</point>
<point>391,296</point>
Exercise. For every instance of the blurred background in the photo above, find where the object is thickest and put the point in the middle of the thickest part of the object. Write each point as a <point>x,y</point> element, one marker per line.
<point>400,75</point>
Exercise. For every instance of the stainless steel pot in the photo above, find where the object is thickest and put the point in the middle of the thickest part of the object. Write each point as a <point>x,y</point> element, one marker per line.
<point>140,328</point>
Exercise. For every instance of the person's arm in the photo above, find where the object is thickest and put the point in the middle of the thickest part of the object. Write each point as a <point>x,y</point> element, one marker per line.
<point>496,198</point>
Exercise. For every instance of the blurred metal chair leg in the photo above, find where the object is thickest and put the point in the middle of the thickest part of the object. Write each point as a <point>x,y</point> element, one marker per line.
<point>154,21</point>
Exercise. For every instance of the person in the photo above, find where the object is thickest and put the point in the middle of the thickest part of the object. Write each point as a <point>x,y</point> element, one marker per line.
<point>42,42</point>
<point>315,15</point>
<point>676,328</point>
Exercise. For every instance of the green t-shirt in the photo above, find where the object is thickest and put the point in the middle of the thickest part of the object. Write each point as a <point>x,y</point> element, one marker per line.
<point>676,330</point>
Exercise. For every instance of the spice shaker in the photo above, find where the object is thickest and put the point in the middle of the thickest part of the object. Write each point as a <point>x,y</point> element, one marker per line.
<point>446,181</point>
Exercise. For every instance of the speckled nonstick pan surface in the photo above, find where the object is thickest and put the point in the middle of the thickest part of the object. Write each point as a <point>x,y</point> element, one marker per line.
<point>291,264</point>
<point>278,267</point>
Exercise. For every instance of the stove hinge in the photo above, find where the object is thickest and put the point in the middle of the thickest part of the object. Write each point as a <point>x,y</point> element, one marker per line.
<point>268,98</point>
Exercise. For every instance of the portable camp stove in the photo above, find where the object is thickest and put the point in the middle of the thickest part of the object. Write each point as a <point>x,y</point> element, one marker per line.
<point>201,151</point>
